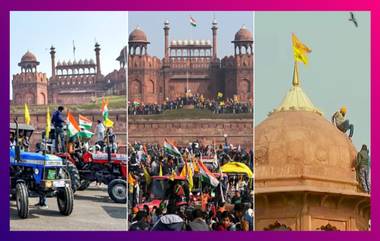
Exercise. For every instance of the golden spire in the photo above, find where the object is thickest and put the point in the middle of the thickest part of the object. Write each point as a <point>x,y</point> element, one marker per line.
<point>296,80</point>
<point>296,99</point>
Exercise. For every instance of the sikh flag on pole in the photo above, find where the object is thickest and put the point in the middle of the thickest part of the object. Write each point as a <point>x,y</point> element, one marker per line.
<point>48,124</point>
<point>26,114</point>
<point>300,50</point>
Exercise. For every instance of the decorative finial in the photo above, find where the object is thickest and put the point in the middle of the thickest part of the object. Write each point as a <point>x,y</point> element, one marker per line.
<point>296,80</point>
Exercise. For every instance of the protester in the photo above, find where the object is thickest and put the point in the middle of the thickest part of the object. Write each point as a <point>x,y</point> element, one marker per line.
<point>179,205</point>
<point>341,123</point>
<point>362,168</point>
<point>217,106</point>
<point>58,122</point>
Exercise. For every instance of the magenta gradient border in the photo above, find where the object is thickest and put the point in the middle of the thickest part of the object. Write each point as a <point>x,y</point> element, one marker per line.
<point>151,5</point>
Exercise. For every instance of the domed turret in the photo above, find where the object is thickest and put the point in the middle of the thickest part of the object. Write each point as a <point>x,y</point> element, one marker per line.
<point>137,35</point>
<point>28,62</point>
<point>138,42</point>
<point>243,41</point>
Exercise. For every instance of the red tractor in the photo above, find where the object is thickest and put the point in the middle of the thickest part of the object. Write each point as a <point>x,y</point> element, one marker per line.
<point>86,167</point>
<point>102,167</point>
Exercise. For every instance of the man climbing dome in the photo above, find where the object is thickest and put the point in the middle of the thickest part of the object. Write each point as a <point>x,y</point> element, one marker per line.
<point>338,119</point>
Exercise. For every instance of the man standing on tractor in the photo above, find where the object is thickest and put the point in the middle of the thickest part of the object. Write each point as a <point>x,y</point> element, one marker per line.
<point>99,132</point>
<point>58,122</point>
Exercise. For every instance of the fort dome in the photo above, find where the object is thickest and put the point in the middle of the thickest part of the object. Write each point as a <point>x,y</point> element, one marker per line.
<point>28,57</point>
<point>137,35</point>
<point>243,35</point>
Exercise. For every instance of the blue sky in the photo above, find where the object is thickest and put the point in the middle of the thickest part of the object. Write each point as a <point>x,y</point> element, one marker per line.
<point>152,24</point>
<point>338,72</point>
<point>37,31</point>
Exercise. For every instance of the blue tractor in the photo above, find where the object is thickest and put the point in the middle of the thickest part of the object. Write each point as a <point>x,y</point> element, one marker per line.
<point>36,174</point>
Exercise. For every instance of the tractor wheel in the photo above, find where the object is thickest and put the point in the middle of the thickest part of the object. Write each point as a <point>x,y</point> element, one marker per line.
<point>65,201</point>
<point>117,190</point>
<point>22,200</point>
<point>84,184</point>
<point>74,176</point>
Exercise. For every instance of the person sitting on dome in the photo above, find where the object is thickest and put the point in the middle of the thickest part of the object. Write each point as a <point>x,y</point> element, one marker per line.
<point>362,168</point>
<point>338,119</point>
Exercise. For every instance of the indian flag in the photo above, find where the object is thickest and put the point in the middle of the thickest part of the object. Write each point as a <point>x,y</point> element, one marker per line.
<point>105,113</point>
<point>206,175</point>
<point>193,22</point>
<point>72,125</point>
<point>105,109</point>
<point>86,134</point>
<point>84,122</point>
<point>171,149</point>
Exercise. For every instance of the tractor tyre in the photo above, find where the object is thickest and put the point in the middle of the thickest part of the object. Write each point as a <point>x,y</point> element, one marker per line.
<point>22,200</point>
<point>65,201</point>
<point>117,190</point>
<point>74,176</point>
<point>84,184</point>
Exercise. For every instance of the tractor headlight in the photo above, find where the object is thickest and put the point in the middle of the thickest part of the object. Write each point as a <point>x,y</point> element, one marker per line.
<point>36,171</point>
<point>48,184</point>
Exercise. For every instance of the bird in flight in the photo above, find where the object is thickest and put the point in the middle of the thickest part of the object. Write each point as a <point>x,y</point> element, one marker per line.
<point>353,19</point>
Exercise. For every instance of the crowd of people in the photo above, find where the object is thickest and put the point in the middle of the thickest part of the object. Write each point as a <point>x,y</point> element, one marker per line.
<point>217,106</point>
<point>160,200</point>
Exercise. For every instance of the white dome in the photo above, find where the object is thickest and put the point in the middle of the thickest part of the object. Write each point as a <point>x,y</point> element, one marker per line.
<point>185,42</point>
<point>208,42</point>
<point>179,42</point>
<point>197,42</point>
<point>191,42</point>
<point>203,42</point>
<point>174,42</point>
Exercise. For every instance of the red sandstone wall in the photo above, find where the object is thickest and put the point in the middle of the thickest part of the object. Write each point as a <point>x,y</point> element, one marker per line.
<point>240,132</point>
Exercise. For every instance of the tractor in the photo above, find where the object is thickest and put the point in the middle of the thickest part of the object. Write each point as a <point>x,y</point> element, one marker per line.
<point>36,174</point>
<point>94,164</point>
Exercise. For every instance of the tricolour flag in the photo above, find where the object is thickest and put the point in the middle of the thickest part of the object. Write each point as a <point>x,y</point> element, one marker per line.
<point>72,125</point>
<point>206,175</point>
<point>85,123</point>
<point>48,124</point>
<point>86,134</point>
<point>193,22</point>
<point>26,114</point>
<point>105,113</point>
<point>171,149</point>
<point>300,50</point>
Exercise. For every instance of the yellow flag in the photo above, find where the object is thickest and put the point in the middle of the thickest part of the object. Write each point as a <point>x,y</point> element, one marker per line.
<point>108,123</point>
<point>300,50</point>
<point>131,179</point>
<point>160,172</point>
<point>26,114</point>
<point>147,176</point>
<point>188,173</point>
<point>48,124</point>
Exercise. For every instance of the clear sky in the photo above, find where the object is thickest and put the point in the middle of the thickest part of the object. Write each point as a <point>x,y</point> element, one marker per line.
<point>152,24</point>
<point>338,72</point>
<point>37,31</point>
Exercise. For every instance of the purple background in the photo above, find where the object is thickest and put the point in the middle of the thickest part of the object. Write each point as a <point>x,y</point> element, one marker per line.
<point>150,5</point>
